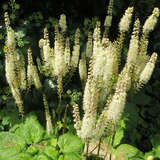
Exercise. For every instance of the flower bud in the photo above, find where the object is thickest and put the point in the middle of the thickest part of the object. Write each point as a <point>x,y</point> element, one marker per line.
<point>126,20</point>
<point>147,71</point>
<point>151,21</point>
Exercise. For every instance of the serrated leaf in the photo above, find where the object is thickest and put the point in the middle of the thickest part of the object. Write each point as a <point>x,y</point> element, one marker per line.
<point>42,157</point>
<point>35,129</point>
<point>126,151</point>
<point>10,144</point>
<point>21,156</point>
<point>31,130</point>
<point>72,156</point>
<point>70,143</point>
<point>23,132</point>
<point>51,152</point>
<point>53,142</point>
<point>32,150</point>
<point>117,138</point>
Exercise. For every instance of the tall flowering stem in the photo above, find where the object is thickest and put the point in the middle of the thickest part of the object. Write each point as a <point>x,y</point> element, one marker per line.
<point>107,86</point>
<point>11,67</point>
<point>108,19</point>
<point>60,61</point>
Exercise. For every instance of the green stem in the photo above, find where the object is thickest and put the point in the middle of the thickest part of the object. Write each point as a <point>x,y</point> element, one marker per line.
<point>60,90</point>
<point>65,118</point>
<point>48,117</point>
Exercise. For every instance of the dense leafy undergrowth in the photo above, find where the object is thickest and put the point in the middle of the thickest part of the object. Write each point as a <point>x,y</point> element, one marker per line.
<point>29,141</point>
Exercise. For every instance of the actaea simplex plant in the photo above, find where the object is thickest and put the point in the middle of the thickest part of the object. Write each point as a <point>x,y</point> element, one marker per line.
<point>105,86</point>
<point>55,63</point>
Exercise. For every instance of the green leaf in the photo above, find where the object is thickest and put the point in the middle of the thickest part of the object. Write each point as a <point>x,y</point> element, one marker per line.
<point>155,140</point>
<point>157,151</point>
<point>53,142</point>
<point>61,157</point>
<point>117,138</point>
<point>132,111</point>
<point>128,152</point>
<point>86,22</point>
<point>1,128</point>
<point>5,121</point>
<point>31,130</point>
<point>5,7</point>
<point>51,152</point>
<point>141,99</point>
<point>36,130</point>
<point>23,132</point>
<point>26,42</point>
<point>21,156</point>
<point>4,97</point>
<point>148,154</point>
<point>10,144</point>
<point>70,143</point>
<point>32,150</point>
<point>17,6</point>
<point>72,156</point>
<point>59,125</point>
<point>9,118</point>
<point>42,156</point>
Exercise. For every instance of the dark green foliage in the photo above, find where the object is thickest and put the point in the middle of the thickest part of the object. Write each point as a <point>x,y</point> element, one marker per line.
<point>9,118</point>
<point>155,140</point>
